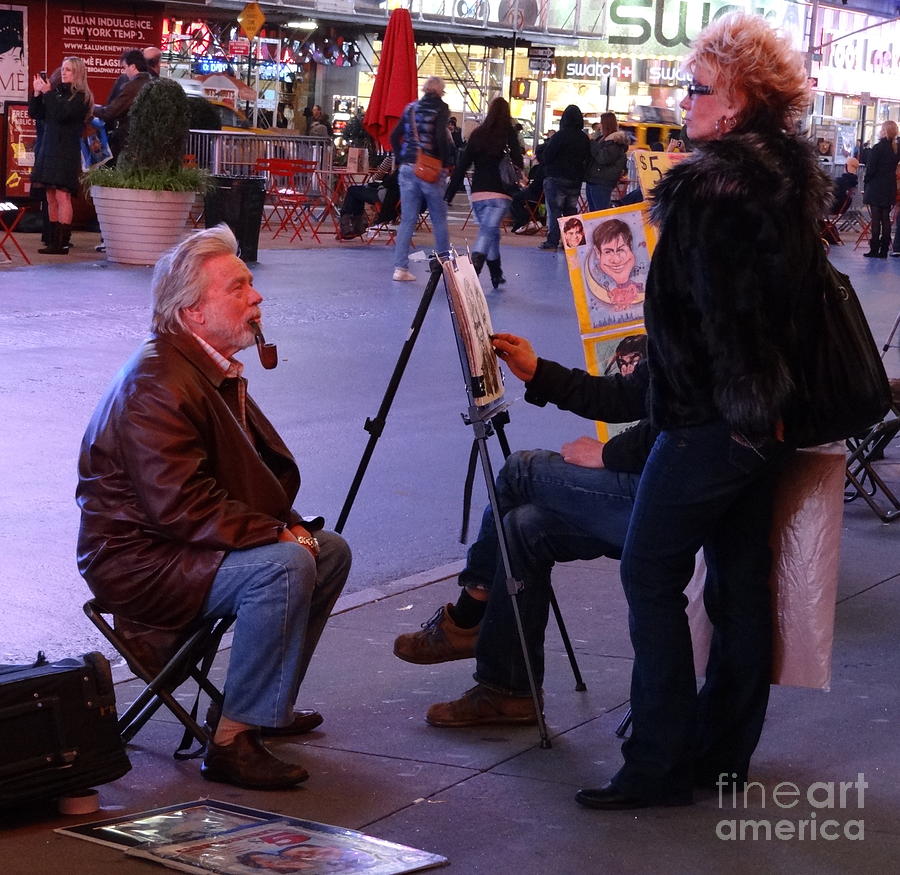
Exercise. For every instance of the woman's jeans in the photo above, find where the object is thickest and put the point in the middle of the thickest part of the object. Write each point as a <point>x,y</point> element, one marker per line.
<point>599,195</point>
<point>561,199</point>
<point>489,214</point>
<point>281,598</point>
<point>552,511</point>
<point>412,192</point>
<point>701,487</point>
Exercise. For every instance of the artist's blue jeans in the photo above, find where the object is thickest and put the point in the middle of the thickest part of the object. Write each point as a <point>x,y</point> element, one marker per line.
<point>552,512</point>
<point>281,598</point>
<point>561,199</point>
<point>701,487</point>
<point>489,214</point>
<point>599,195</point>
<point>413,191</point>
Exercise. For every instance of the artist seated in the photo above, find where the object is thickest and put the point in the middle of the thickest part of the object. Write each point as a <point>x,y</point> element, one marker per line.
<point>383,188</point>
<point>556,507</point>
<point>186,494</point>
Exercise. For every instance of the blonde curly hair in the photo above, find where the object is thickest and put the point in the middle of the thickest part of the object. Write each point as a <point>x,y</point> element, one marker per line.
<point>748,59</point>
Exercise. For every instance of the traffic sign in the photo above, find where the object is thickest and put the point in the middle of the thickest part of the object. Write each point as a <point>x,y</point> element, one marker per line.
<point>543,65</point>
<point>541,52</point>
<point>251,19</point>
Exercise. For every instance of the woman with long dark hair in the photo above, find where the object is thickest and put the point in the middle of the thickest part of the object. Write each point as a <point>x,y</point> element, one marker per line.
<point>489,143</point>
<point>880,188</point>
<point>63,108</point>
<point>608,162</point>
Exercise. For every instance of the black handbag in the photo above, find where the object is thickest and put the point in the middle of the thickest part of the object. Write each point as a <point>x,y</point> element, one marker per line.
<point>842,389</point>
<point>509,173</point>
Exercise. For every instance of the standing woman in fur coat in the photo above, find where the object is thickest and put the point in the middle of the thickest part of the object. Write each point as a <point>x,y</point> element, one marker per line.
<point>880,188</point>
<point>64,108</point>
<point>733,278</point>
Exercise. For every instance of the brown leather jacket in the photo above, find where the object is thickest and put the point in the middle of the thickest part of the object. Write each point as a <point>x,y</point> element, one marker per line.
<point>169,482</point>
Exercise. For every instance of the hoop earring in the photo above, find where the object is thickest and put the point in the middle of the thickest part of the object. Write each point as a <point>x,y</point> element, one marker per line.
<point>725,124</point>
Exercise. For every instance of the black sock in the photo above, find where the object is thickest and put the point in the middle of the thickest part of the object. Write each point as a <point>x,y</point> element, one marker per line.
<point>467,612</point>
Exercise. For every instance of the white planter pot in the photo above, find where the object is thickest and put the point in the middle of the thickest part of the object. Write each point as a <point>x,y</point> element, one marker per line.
<point>138,226</point>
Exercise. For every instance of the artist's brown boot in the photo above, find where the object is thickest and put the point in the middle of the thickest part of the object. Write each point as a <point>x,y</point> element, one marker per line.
<point>439,640</point>
<point>482,706</point>
<point>246,762</point>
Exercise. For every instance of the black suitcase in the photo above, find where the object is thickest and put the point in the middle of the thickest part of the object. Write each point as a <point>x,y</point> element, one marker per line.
<point>58,728</point>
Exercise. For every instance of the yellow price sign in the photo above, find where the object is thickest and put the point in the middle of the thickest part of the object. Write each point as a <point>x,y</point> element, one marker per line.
<point>652,165</point>
<point>251,19</point>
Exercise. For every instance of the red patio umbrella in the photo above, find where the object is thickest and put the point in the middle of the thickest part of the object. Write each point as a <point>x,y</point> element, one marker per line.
<point>396,81</point>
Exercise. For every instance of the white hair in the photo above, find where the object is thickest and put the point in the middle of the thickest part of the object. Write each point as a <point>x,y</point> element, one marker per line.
<point>179,279</point>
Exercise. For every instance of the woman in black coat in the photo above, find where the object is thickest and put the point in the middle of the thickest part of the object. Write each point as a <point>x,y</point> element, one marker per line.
<point>487,146</point>
<point>880,188</point>
<point>63,109</point>
<point>733,282</point>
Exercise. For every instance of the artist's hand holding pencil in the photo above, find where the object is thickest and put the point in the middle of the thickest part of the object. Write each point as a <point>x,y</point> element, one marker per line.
<point>516,353</point>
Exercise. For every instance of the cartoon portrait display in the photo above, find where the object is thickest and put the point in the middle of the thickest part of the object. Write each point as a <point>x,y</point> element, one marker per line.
<point>572,232</point>
<point>608,271</point>
<point>614,354</point>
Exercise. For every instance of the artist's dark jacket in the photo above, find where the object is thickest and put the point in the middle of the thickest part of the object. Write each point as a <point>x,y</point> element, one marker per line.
<point>733,282</point>
<point>169,482</point>
<point>432,115</point>
<point>610,399</point>
<point>58,159</point>
<point>568,151</point>
<point>880,184</point>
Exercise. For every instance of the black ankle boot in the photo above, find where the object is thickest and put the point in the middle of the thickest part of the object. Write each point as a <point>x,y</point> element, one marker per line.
<point>65,237</point>
<point>478,261</point>
<point>882,251</point>
<point>54,247</point>
<point>496,272</point>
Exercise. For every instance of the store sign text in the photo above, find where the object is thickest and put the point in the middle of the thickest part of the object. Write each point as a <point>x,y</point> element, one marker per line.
<point>594,68</point>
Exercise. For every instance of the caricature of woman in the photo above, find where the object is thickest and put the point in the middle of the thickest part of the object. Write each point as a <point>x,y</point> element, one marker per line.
<point>573,233</point>
<point>628,355</point>
<point>610,266</point>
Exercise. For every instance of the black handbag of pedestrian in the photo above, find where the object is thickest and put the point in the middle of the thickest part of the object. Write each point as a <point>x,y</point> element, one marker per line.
<point>59,728</point>
<point>842,389</point>
<point>509,174</point>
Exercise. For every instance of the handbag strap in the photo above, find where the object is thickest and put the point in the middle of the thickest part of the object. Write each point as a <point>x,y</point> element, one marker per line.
<point>415,130</point>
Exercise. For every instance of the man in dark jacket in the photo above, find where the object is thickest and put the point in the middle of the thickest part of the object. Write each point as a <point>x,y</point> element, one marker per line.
<point>556,507</point>
<point>186,493</point>
<point>115,113</point>
<point>422,127</point>
<point>565,159</point>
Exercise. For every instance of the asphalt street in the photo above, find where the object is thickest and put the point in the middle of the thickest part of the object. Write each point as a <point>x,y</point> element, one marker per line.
<point>340,325</point>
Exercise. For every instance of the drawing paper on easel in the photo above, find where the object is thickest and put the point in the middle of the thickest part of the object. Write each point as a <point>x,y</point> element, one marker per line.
<point>472,320</point>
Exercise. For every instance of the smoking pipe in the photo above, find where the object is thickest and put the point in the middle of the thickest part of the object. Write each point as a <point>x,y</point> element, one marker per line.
<point>268,352</point>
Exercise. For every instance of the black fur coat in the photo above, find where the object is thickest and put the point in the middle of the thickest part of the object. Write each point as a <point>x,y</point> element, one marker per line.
<point>732,281</point>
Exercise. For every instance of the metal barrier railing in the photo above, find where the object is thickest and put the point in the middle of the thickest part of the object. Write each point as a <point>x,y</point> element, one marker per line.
<point>235,153</point>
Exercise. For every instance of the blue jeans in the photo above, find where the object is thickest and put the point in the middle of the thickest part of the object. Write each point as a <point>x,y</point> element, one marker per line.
<point>552,512</point>
<point>412,192</point>
<point>701,487</point>
<point>561,199</point>
<point>281,598</point>
<point>599,195</point>
<point>489,214</point>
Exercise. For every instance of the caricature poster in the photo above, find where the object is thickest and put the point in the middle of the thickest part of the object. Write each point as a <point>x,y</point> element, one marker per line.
<point>608,256</point>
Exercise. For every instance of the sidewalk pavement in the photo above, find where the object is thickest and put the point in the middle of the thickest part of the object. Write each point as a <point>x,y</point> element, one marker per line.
<point>492,800</point>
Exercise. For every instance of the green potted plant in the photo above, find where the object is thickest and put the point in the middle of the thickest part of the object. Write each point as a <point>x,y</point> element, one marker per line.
<point>143,202</point>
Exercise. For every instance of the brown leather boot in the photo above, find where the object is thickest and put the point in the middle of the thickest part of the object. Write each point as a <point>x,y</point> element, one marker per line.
<point>246,762</point>
<point>303,722</point>
<point>482,706</point>
<point>439,640</point>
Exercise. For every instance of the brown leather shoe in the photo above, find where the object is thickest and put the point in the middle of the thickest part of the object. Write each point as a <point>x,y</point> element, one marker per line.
<point>304,721</point>
<point>246,762</point>
<point>440,640</point>
<point>481,706</point>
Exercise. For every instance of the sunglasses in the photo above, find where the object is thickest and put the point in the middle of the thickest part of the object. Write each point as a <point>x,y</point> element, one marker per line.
<point>695,90</point>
